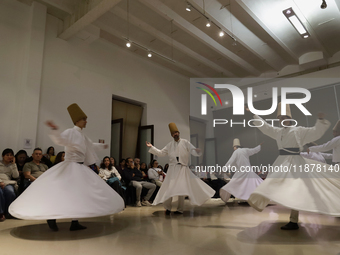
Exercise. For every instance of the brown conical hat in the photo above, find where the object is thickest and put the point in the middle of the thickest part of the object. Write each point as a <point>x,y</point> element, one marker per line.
<point>288,112</point>
<point>236,142</point>
<point>173,128</point>
<point>76,113</point>
<point>337,126</point>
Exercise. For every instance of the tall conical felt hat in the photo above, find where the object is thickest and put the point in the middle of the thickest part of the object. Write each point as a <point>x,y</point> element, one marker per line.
<point>76,113</point>
<point>288,112</point>
<point>236,142</point>
<point>173,128</point>
<point>337,126</point>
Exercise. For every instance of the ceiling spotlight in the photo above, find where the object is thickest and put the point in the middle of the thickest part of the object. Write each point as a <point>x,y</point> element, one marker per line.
<point>234,43</point>
<point>128,44</point>
<point>208,24</point>
<point>255,95</point>
<point>323,5</point>
<point>305,36</point>
<point>188,9</point>
<point>149,54</point>
<point>226,102</point>
<point>221,33</point>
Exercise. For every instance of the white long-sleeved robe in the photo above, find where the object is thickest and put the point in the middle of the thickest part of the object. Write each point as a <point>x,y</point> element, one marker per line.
<point>69,189</point>
<point>333,144</point>
<point>317,156</point>
<point>302,191</point>
<point>244,182</point>
<point>180,181</point>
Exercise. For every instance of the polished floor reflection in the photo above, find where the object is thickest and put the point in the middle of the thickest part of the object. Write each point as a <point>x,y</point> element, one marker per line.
<point>214,228</point>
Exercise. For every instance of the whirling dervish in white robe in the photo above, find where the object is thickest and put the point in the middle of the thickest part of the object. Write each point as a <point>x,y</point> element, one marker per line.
<point>69,189</point>
<point>244,181</point>
<point>317,156</point>
<point>297,187</point>
<point>180,181</point>
<point>333,145</point>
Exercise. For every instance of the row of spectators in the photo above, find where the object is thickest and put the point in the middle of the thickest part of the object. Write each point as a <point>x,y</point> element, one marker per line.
<point>18,171</point>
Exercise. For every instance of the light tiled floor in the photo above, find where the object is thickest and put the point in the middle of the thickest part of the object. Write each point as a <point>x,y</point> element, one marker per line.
<point>214,228</point>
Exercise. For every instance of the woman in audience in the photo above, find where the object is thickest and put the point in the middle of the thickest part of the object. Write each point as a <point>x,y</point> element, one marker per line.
<point>113,161</point>
<point>8,172</point>
<point>60,157</point>
<point>112,177</point>
<point>121,166</point>
<point>20,159</point>
<point>50,154</point>
<point>156,175</point>
<point>144,170</point>
<point>166,168</point>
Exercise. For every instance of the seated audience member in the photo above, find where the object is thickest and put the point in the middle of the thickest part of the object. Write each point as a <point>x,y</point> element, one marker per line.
<point>60,157</point>
<point>20,160</point>
<point>156,175</point>
<point>166,168</point>
<point>8,186</point>
<point>2,207</point>
<point>32,170</point>
<point>121,166</point>
<point>144,170</point>
<point>113,161</point>
<point>137,165</point>
<point>135,178</point>
<point>214,179</point>
<point>50,154</point>
<point>112,177</point>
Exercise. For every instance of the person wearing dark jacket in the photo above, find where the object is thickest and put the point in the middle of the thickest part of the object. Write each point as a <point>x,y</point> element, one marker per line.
<point>135,178</point>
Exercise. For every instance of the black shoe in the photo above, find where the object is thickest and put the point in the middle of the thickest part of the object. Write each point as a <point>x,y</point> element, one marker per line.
<point>290,226</point>
<point>76,226</point>
<point>178,212</point>
<point>53,225</point>
<point>167,212</point>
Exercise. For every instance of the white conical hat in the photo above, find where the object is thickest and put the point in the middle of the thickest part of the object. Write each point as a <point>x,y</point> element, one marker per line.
<point>288,112</point>
<point>236,142</point>
<point>337,126</point>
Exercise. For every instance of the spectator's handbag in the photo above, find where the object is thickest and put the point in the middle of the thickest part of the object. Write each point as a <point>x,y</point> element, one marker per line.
<point>112,180</point>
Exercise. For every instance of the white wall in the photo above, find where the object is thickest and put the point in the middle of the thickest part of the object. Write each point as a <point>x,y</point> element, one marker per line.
<point>73,71</point>
<point>13,34</point>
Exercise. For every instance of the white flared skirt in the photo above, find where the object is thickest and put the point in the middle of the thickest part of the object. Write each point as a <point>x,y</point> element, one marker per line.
<point>300,188</point>
<point>180,181</point>
<point>67,190</point>
<point>241,186</point>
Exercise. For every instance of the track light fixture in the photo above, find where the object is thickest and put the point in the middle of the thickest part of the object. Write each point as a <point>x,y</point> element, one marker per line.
<point>221,33</point>
<point>188,9</point>
<point>323,5</point>
<point>208,24</point>
<point>296,22</point>
<point>149,54</point>
<point>128,44</point>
